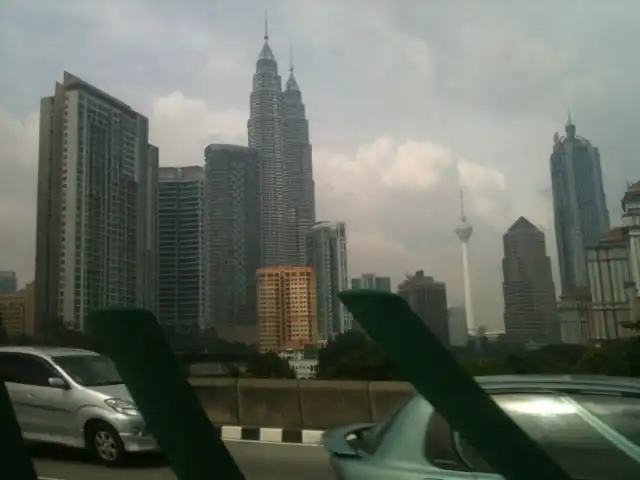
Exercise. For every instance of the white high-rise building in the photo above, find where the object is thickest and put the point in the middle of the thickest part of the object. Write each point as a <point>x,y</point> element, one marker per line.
<point>181,247</point>
<point>96,177</point>
<point>327,254</point>
<point>464,231</point>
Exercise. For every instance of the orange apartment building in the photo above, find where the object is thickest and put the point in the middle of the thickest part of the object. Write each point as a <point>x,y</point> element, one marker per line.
<point>286,307</point>
<point>18,312</point>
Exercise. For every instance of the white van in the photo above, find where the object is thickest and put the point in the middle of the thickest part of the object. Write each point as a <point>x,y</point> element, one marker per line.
<point>75,398</point>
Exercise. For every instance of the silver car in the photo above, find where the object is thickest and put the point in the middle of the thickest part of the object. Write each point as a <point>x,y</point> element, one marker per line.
<point>75,398</point>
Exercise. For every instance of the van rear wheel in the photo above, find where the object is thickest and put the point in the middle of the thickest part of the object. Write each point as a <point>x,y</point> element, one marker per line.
<point>104,442</point>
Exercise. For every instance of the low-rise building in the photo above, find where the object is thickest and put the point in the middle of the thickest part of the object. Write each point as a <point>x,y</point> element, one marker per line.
<point>17,311</point>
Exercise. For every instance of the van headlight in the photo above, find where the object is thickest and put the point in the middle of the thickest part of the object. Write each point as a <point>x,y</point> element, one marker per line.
<point>122,407</point>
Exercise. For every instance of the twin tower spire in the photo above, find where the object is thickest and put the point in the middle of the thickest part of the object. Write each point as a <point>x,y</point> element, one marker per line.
<point>267,54</point>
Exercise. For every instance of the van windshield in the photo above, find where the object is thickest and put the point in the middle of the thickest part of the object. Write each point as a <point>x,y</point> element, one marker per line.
<point>89,370</point>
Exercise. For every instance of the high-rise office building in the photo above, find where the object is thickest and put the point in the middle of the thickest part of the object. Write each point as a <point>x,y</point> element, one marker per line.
<point>371,281</point>
<point>458,330</point>
<point>94,181</point>
<point>298,164</point>
<point>181,247</point>
<point>8,281</point>
<point>579,204</point>
<point>530,310</point>
<point>286,307</point>
<point>266,132</point>
<point>631,223</point>
<point>428,299</point>
<point>149,241</point>
<point>232,234</point>
<point>327,253</point>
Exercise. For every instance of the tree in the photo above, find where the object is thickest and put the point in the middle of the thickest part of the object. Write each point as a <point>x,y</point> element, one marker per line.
<point>603,361</point>
<point>269,365</point>
<point>486,366</point>
<point>551,359</point>
<point>352,356</point>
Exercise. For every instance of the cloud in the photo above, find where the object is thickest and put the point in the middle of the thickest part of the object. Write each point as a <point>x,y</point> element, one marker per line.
<point>182,127</point>
<point>400,202</point>
<point>18,172</point>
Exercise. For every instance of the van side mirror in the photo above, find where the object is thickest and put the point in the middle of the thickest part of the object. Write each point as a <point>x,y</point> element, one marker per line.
<point>57,382</point>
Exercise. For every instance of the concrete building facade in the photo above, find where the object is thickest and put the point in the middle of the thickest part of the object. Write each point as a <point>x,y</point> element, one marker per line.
<point>458,330</point>
<point>8,281</point>
<point>286,308</point>
<point>94,181</point>
<point>577,318</point>
<point>428,299</point>
<point>609,275</point>
<point>530,309</point>
<point>371,281</point>
<point>18,312</point>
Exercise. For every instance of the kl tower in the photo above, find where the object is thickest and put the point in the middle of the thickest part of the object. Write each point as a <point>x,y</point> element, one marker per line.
<point>463,231</point>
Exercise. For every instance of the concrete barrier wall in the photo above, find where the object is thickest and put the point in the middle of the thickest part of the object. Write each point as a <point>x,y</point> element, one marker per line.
<point>310,404</point>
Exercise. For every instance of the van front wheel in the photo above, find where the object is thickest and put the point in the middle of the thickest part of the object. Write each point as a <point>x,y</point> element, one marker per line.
<point>105,444</point>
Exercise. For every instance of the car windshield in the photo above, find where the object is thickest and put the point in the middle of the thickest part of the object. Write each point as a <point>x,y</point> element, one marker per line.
<point>621,413</point>
<point>89,370</point>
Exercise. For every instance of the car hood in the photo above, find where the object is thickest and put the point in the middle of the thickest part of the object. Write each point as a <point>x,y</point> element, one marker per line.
<point>119,391</point>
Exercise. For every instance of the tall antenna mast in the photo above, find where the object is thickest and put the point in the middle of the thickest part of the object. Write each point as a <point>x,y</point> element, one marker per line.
<point>266,25</point>
<point>462,216</point>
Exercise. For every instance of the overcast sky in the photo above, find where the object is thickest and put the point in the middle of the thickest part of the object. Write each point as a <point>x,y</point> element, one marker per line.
<point>406,99</point>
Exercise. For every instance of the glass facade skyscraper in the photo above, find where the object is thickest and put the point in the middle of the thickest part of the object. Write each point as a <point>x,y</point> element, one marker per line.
<point>579,204</point>
<point>181,247</point>
<point>327,253</point>
<point>232,233</point>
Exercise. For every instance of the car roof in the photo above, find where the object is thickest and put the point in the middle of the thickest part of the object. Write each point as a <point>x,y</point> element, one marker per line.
<point>560,382</point>
<point>48,352</point>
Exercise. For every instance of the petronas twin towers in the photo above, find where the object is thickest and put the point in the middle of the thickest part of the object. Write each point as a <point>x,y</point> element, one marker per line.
<point>279,130</point>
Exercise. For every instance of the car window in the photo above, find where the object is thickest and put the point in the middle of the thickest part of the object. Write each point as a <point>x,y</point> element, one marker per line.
<point>555,424</point>
<point>439,445</point>
<point>621,413</point>
<point>25,370</point>
<point>373,437</point>
<point>89,370</point>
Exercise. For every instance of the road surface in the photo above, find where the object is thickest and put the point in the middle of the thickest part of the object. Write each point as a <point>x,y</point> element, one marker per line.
<point>258,461</point>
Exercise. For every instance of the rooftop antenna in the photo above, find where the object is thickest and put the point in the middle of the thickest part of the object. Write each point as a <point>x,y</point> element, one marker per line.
<point>266,25</point>
<point>291,58</point>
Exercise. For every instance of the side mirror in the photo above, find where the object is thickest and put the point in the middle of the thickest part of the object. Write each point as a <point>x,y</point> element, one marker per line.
<point>57,382</point>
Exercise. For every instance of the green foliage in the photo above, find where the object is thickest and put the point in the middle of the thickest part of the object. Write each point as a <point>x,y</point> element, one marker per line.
<point>603,361</point>
<point>351,356</point>
<point>269,365</point>
<point>3,331</point>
